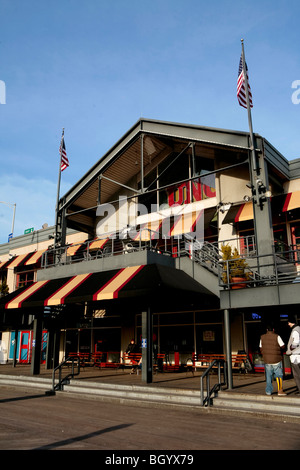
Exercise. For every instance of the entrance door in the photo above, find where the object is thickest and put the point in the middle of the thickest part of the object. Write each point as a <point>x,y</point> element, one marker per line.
<point>295,230</point>
<point>24,347</point>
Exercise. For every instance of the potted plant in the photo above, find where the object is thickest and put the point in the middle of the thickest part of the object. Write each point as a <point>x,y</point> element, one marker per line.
<point>234,268</point>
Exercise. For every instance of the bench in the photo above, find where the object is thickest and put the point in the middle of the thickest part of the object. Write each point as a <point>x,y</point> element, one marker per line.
<point>203,361</point>
<point>107,360</point>
<point>84,359</point>
<point>131,360</point>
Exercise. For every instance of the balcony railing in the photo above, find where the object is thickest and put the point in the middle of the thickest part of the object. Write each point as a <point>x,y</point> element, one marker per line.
<point>282,266</point>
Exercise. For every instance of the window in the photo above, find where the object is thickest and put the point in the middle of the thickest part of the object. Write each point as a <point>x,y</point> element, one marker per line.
<point>24,279</point>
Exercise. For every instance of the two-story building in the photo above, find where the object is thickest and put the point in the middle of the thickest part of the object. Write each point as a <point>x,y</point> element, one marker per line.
<point>139,254</point>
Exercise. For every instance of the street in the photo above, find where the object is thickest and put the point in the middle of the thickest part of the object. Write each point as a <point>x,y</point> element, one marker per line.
<point>30,420</point>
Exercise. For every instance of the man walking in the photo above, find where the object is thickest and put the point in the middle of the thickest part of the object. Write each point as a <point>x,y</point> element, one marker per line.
<point>271,346</point>
<point>293,349</point>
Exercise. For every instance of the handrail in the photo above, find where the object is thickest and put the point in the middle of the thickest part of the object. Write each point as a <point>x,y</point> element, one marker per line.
<point>208,401</point>
<point>62,382</point>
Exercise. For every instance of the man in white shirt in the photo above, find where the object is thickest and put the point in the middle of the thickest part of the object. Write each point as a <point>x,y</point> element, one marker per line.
<point>293,349</point>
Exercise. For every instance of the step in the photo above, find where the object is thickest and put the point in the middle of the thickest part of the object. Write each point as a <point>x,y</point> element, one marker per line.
<point>274,405</point>
<point>285,409</point>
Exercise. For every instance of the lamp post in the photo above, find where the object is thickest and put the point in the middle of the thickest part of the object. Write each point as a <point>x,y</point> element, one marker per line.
<point>14,214</point>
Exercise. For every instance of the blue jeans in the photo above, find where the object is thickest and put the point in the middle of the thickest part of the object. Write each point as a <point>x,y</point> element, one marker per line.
<point>272,370</point>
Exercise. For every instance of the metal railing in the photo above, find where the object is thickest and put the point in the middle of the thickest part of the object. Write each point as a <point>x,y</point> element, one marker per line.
<point>271,269</point>
<point>65,380</point>
<point>222,380</point>
<point>281,266</point>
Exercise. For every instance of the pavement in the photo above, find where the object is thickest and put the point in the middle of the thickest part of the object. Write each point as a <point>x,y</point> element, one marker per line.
<point>91,411</point>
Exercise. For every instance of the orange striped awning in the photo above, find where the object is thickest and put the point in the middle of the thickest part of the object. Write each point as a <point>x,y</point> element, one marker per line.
<point>292,201</point>
<point>26,259</point>
<point>239,213</point>
<point>111,288</point>
<point>186,223</point>
<point>148,231</point>
<point>129,282</point>
<point>74,247</point>
<point>34,258</point>
<point>25,294</point>
<point>97,244</point>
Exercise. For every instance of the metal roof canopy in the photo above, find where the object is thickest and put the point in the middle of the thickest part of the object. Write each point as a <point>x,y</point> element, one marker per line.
<point>160,139</point>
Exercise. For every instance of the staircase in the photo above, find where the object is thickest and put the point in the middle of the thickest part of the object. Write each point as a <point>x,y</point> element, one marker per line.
<point>283,409</point>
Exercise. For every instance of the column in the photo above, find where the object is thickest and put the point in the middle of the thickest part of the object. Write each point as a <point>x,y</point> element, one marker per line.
<point>228,348</point>
<point>147,346</point>
<point>36,345</point>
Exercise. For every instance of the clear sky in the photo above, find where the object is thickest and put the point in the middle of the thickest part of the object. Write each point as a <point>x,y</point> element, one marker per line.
<point>95,67</point>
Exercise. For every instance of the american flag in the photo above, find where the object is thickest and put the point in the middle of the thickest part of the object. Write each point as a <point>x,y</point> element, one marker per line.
<point>64,162</point>
<point>241,89</point>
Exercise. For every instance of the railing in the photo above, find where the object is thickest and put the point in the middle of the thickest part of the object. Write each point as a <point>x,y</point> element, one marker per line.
<point>277,267</point>
<point>271,269</point>
<point>222,380</point>
<point>66,380</point>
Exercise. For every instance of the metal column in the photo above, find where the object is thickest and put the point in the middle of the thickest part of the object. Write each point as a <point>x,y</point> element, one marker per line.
<point>36,345</point>
<point>147,346</point>
<point>228,348</point>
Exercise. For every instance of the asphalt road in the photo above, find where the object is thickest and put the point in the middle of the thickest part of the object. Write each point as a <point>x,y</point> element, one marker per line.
<point>30,420</point>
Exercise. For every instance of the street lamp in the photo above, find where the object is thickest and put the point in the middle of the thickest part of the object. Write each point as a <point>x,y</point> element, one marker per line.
<point>14,214</point>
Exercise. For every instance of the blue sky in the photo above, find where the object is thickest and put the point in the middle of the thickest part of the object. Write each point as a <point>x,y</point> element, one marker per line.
<point>95,67</point>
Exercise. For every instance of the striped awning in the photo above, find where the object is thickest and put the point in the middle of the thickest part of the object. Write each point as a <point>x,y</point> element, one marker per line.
<point>75,247</point>
<point>177,225</point>
<point>244,212</point>
<point>239,213</point>
<point>186,223</point>
<point>26,259</point>
<point>132,281</point>
<point>292,201</point>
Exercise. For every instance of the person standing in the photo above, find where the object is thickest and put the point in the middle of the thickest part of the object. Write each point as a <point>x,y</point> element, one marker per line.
<point>272,346</point>
<point>293,349</point>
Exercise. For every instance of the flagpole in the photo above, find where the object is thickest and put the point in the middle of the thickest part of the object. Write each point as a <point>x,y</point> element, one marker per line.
<point>58,190</point>
<point>263,229</point>
<point>252,142</point>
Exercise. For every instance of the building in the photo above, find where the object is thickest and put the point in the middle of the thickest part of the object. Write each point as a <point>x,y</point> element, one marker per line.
<point>138,251</point>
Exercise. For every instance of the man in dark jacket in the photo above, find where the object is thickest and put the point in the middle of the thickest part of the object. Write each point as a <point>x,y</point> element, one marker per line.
<point>271,346</point>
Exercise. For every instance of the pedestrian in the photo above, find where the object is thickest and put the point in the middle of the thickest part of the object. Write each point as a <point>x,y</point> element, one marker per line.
<point>132,349</point>
<point>293,349</point>
<point>272,346</point>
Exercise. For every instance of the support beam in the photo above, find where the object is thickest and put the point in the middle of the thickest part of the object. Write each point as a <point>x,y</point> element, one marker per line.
<point>15,347</point>
<point>147,346</point>
<point>228,348</point>
<point>36,345</point>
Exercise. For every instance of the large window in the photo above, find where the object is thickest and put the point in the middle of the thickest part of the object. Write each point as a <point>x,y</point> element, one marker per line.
<point>176,169</point>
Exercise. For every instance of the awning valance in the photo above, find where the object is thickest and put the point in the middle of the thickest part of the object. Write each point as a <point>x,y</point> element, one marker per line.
<point>131,281</point>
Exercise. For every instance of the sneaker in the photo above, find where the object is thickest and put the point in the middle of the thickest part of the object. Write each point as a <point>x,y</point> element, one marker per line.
<point>281,393</point>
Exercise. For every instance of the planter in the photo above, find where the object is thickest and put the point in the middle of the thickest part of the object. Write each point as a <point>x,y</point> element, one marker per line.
<point>238,283</point>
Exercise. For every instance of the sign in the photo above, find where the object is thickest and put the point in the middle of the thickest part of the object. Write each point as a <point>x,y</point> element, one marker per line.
<point>10,235</point>
<point>144,343</point>
<point>28,230</point>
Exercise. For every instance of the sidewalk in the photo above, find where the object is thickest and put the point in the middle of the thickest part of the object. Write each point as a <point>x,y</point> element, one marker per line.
<point>242,383</point>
